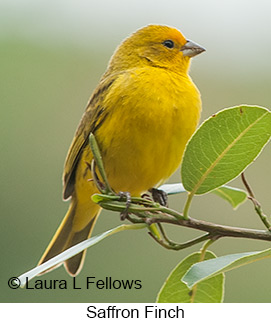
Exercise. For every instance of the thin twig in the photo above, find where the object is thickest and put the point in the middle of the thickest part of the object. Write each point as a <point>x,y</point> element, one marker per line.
<point>180,246</point>
<point>248,188</point>
<point>257,205</point>
<point>164,234</point>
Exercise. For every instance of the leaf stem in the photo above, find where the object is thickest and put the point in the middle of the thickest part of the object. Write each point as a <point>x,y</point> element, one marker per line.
<point>201,258</point>
<point>205,247</point>
<point>187,205</point>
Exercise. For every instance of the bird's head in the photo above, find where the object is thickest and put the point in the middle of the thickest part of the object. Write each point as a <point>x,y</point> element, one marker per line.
<point>158,46</point>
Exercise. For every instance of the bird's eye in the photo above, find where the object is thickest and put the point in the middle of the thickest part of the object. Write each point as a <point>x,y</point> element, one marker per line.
<point>168,43</point>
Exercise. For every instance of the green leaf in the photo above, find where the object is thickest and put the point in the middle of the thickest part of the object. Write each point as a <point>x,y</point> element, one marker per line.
<point>234,196</point>
<point>224,146</point>
<point>210,268</point>
<point>175,291</point>
<point>75,250</point>
<point>171,189</point>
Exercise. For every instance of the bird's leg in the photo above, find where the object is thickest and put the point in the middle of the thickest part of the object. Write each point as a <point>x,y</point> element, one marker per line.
<point>127,197</point>
<point>159,196</point>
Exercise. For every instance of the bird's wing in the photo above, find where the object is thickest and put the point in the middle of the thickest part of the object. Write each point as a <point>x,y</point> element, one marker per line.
<point>91,120</point>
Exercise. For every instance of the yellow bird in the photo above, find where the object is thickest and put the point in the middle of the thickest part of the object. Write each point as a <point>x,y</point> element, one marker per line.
<point>142,113</point>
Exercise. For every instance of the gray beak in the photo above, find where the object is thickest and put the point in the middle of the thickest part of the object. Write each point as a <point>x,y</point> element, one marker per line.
<point>191,49</point>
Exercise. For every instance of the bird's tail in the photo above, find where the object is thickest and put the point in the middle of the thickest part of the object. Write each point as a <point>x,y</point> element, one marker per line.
<point>76,226</point>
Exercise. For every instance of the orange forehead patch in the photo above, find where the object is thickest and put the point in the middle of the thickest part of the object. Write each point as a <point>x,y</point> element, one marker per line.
<point>157,33</point>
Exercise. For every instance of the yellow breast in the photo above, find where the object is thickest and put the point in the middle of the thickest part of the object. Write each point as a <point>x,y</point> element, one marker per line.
<point>151,114</point>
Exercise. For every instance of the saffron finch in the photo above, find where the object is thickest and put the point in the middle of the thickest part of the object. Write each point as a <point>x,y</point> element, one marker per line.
<point>142,113</point>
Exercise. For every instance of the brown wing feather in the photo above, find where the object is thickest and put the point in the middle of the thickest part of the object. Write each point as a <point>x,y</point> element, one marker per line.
<point>92,118</point>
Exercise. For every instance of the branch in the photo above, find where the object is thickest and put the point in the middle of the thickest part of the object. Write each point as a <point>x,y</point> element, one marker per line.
<point>215,230</point>
<point>153,214</point>
<point>149,212</point>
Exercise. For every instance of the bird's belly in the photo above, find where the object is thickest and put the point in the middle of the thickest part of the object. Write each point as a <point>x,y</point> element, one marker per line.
<point>141,153</point>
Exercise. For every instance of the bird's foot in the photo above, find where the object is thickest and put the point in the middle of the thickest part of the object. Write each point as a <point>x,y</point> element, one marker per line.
<point>159,196</point>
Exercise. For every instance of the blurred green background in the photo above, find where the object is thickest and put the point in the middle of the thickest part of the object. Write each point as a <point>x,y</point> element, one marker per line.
<point>52,54</point>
